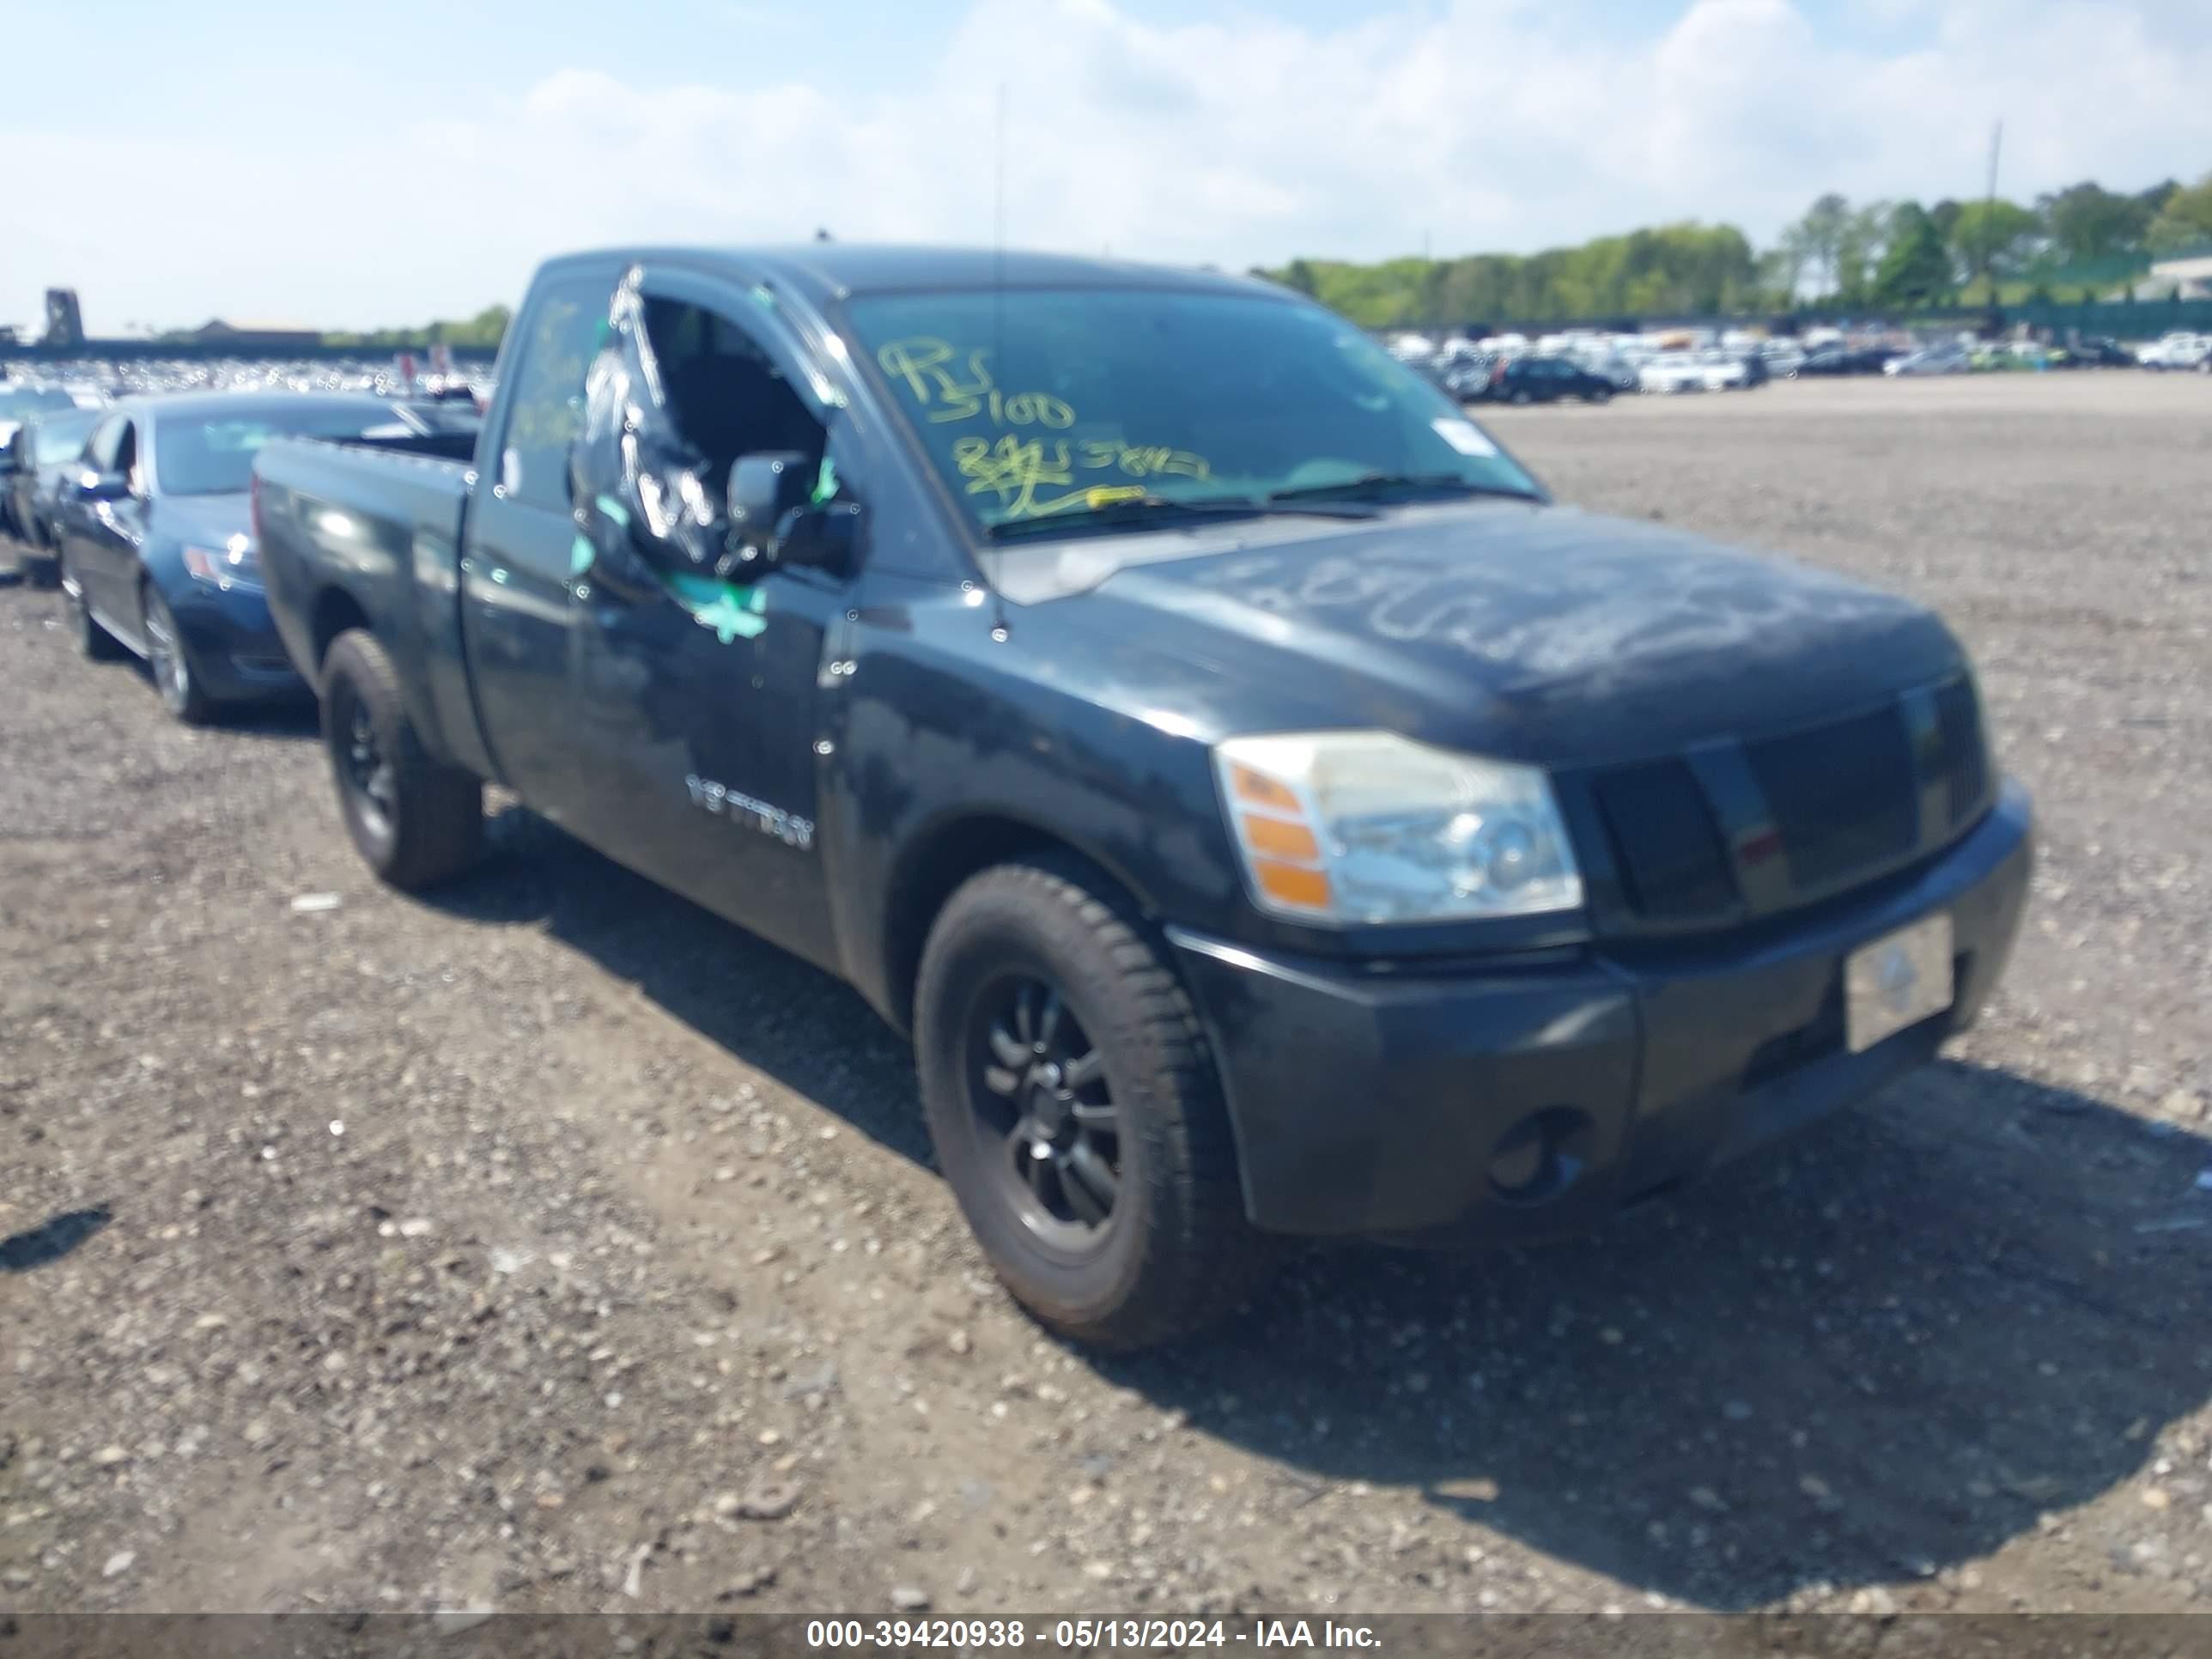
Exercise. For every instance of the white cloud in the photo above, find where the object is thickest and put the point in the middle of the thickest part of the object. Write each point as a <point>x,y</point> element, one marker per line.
<point>1493,123</point>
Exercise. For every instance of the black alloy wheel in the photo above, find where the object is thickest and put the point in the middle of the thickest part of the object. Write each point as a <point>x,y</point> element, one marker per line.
<point>416,820</point>
<point>363,772</point>
<point>1043,1113</point>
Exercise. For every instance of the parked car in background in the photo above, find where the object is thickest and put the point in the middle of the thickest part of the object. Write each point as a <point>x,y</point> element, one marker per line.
<point>1608,366</point>
<point>1780,358</point>
<point>1546,381</point>
<point>1266,828</point>
<point>1671,371</point>
<point>154,541</point>
<point>50,448</point>
<point>2098,352</point>
<point>1840,360</point>
<point>18,403</point>
<point>14,461</point>
<point>1467,377</point>
<point>1949,358</point>
<point>2177,349</point>
<point>1723,371</point>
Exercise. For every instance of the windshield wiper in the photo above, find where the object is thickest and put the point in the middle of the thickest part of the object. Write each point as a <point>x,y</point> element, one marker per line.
<point>1370,485</point>
<point>1142,510</point>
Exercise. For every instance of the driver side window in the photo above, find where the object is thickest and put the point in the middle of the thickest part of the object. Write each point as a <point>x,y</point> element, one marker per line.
<point>726,397</point>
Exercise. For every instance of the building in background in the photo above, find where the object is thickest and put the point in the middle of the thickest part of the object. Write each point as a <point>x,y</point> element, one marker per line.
<point>65,321</point>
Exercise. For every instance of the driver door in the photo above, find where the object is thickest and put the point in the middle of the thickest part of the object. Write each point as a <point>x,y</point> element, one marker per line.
<point>697,706</point>
<point>102,538</point>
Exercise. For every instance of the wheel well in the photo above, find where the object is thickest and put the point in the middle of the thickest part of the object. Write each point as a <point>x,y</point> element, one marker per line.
<point>336,611</point>
<point>933,872</point>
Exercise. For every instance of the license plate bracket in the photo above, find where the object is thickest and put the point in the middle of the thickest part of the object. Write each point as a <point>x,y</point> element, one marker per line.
<point>1900,980</point>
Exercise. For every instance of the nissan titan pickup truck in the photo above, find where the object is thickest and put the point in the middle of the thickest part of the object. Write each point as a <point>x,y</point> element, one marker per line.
<point>1268,812</point>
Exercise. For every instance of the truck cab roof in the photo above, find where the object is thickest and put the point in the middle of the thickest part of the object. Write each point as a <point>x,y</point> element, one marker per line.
<point>837,270</point>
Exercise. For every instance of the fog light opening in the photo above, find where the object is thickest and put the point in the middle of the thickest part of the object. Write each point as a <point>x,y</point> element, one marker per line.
<point>1541,1156</point>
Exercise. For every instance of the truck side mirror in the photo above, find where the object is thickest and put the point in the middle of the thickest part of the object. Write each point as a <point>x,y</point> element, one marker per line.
<point>11,454</point>
<point>824,538</point>
<point>763,487</point>
<point>96,486</point>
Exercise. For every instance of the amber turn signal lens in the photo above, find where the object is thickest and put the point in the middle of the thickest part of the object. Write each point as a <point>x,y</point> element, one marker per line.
<point>1273,838</point>
<point>1288,884</point>
<point>1263,791</point>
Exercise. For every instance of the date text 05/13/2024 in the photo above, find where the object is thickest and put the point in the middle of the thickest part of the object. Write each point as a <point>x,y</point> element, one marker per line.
<point>1089,1635</point>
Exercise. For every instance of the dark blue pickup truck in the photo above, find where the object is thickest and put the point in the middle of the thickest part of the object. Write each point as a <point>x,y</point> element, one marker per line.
<point>1269,813</point>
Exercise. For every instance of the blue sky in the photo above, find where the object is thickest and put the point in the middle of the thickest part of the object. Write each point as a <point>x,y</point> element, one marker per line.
<point>356,166</point>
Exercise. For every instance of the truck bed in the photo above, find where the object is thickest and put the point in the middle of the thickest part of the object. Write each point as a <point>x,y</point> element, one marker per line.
<point>367,532</point>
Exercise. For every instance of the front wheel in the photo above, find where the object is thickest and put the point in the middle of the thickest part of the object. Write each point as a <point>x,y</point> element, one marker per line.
<point>169,659</point>
<point>417,821</point>
<point>1072,1102</point>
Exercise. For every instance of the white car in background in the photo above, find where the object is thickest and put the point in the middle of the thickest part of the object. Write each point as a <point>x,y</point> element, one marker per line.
<point>1672,372</point>
<point>1724,372</point>
<point>2178,350</point>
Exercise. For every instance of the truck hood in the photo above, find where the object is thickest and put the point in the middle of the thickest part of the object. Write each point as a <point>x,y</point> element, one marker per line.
<point>1532,632</point>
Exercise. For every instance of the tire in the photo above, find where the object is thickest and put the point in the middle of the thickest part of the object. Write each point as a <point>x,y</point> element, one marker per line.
<point>1522,398</point>
<point>41,563</point>
<point>415,820</point>
<point>93,641</point>
<point>1173,1251</point>
<point>169,659</point>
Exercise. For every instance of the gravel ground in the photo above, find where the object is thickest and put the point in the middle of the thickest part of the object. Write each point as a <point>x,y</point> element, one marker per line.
<point>553,1246</point>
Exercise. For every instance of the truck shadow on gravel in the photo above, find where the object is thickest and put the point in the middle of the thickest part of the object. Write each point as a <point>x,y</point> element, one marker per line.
<point>778,1014</point>
<point>1879,1351</point>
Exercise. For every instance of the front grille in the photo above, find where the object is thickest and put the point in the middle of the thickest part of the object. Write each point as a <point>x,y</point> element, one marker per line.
<point>1756,828</point>
<point>1964,763</point>
<point>1844,797</point>
<point>1671,864</point>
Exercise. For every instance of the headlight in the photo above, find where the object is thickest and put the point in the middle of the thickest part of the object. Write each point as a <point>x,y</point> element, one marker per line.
<point>236,563</point>
<point>1368,827</point>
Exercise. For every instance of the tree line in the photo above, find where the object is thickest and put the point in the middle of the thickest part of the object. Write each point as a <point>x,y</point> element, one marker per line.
<point>487,328</point>
<point>1899,255</point>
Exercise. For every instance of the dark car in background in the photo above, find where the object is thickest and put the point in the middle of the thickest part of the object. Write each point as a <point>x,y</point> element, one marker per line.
<point>1544,380</point>
<point>154,535</point>
<point>1844,360</point>
<point>2098,352</point>
<point>48,451</point>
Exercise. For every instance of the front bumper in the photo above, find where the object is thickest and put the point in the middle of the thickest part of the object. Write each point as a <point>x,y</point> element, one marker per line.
<point>1377,1103</point>
<point>235,650</point>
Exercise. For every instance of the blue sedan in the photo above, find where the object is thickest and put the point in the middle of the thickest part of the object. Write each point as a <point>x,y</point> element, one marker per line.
<point>155,537</point>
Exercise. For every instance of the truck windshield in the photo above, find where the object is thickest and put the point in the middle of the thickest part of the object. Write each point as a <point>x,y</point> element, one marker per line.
<point>1075,405</point>
<point>213,455</point>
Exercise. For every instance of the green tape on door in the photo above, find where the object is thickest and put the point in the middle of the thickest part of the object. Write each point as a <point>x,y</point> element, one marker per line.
<point>733,613</point>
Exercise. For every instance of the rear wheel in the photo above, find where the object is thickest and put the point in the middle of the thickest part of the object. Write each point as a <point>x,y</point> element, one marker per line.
<point>1075,1113</point>
<point>169,659</point>
<point>93,641</point>
<point>416,821</point>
